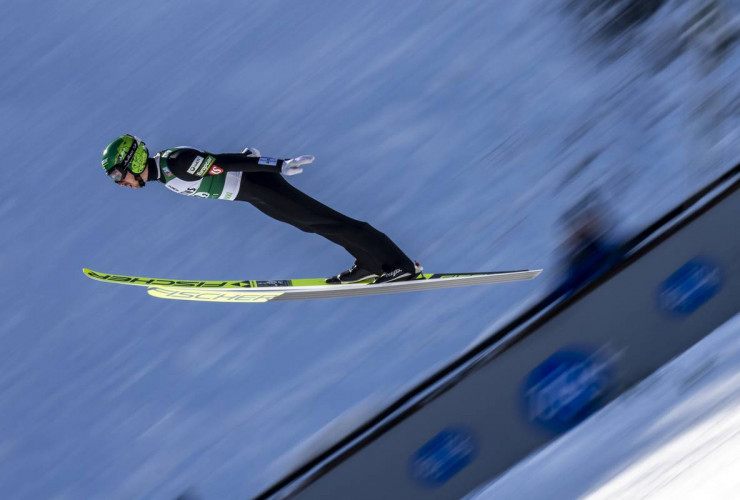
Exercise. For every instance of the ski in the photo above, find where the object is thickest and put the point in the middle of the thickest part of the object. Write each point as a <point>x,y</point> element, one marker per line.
<point>250,291</point>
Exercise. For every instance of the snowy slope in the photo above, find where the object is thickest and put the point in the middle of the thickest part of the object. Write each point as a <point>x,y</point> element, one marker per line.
<point>675,435</point>
<point>461,129</point>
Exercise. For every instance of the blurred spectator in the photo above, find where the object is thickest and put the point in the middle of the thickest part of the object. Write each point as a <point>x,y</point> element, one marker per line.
<point>611,18</point>
<point>591,246</point>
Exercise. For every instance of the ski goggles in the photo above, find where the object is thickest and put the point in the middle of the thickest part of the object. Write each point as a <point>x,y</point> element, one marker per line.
<point>117,173</point>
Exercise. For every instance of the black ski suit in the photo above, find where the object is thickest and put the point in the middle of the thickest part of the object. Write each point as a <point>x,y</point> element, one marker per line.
<point>263,186</point>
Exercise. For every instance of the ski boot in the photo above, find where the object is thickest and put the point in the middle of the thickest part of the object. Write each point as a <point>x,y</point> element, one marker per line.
<point>399,274</point>
<point>354,274</point>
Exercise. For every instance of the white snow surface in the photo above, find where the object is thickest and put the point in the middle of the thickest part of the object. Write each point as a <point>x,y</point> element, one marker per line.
<point>460,129</point>
<point>675,435</point>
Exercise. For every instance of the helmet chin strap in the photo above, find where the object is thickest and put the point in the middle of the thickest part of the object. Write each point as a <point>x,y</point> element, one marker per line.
<point>139,180</point>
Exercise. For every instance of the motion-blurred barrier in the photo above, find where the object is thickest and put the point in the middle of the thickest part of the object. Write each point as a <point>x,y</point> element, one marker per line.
<point>547,370</point>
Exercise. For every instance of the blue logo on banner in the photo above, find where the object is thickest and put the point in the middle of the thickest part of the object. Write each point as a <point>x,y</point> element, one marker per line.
<point>690,287</point>
<point>567,387</point>
<point>443,456</point>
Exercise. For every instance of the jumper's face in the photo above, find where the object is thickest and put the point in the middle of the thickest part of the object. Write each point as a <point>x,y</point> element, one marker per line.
<point>129,181</point>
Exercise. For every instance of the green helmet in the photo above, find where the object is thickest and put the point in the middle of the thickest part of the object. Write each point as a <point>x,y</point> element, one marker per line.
<point>126,152</point>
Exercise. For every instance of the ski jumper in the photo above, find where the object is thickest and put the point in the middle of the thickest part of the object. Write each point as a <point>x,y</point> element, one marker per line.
<point>257,180</point>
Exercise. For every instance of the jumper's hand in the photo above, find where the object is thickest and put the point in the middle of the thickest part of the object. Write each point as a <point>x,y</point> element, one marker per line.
<point>294,166</point>
<point>250,151</point>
